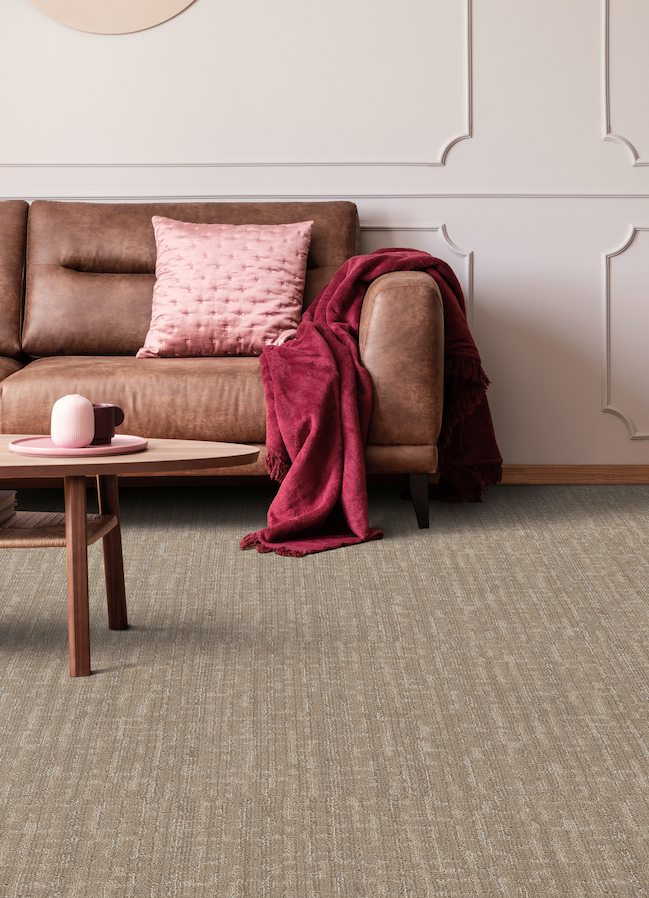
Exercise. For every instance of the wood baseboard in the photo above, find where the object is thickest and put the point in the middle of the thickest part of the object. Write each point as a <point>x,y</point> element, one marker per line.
<point>512,474</point>
<point>575,474</point>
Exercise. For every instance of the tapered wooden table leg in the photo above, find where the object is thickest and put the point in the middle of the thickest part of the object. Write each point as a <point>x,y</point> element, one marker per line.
<point>113,559</point>
<point>77,567</point>
<point>26,529</point>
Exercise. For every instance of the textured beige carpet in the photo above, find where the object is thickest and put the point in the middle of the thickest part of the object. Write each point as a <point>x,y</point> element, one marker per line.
<point>455,712</point>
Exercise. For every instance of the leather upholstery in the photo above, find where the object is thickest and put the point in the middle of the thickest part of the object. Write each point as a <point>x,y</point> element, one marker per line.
<point>401,341</point>
<point>90,266</point>
<point>89,285</point>
<point>400,459</point>
<point>191,399</point>
<point>70,312</point>
<point>13,226</point>
<point>7,367</point>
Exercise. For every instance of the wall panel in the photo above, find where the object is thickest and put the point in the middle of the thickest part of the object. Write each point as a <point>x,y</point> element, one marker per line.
<point>626,324</point>
<point>247,82</point>
<point>626,76</point>
<point>433,240</point>
<point>508,138</point>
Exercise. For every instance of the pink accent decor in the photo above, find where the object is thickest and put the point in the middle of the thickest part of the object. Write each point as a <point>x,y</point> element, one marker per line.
<point>121,444</point>
<point>225,289</point>
<point>73,422</point>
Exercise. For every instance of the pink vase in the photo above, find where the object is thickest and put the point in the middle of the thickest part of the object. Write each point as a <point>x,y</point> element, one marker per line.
<point>73,422</point>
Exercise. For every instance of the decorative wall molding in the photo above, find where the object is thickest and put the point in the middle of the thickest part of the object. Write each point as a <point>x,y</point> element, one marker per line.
<point>446,250</point>
<point>468,99</point>
<point>607,405</point>
<point>466,133</point>
<point>609,134</point>
<point>351,195</point>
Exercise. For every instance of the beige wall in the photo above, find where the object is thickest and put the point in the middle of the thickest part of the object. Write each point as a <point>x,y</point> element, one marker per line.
<point>474,129</point>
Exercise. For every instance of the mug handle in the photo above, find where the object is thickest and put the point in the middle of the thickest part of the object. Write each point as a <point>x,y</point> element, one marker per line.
<point>119,416</point>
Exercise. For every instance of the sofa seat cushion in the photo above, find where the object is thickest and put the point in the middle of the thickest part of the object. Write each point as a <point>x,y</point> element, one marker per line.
<point>192,399</point>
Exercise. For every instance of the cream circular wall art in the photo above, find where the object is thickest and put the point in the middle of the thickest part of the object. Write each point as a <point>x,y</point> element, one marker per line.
<point>111,16</point>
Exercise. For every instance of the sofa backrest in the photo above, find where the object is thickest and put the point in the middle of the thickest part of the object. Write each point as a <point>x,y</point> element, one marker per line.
<point>91,266</point>
<point>13,228</point>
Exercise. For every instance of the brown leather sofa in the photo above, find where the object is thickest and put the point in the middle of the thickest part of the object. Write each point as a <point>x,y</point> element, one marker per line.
<point>76,283</point>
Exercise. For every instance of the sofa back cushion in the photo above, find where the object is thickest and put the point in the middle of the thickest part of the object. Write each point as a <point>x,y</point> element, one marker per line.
<point>13,227</point>
<point>91,266</point>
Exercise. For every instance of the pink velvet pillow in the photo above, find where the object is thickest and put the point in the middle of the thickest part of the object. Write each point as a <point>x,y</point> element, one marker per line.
<point>225,289</point>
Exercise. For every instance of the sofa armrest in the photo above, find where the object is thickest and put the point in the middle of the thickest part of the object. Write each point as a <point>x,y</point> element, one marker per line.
<point>7,367</point>
<point>13,230</point>
<point>401,343</point>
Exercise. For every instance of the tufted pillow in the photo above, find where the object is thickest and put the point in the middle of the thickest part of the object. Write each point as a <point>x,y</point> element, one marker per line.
<point>225,289</point>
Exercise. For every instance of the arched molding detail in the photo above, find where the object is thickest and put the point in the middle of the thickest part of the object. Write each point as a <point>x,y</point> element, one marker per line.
<point>468,78</point>
<point>636,161</point>
<point>450,250</point>
<point>607,406</point>
<point>466,132</point>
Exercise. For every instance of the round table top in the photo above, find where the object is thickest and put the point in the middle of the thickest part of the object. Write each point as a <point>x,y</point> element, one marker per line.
<point>160,455</point>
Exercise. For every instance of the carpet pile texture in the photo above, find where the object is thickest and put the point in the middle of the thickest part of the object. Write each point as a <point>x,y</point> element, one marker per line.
<point>455,712</point>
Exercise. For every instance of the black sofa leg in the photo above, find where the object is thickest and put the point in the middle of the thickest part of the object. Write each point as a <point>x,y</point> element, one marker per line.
<point>418,484</point>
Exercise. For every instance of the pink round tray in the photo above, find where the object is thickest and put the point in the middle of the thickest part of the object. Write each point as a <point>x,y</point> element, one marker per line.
<point>121,444</point>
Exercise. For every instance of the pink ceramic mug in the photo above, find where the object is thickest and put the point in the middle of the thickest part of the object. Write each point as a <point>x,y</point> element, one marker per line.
<point>107,418</point>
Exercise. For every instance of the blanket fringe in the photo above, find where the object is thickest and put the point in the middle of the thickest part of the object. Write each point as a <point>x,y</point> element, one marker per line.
<point>286,552</point>
<point>277,467</point>
<point>464,405</point>
<point>474,382</point>
<point>252,541</point>
<point>491,473</point>
<point>467,369</point>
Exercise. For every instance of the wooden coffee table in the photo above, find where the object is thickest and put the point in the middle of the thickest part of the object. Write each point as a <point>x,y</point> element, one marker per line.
<point>76,530</point>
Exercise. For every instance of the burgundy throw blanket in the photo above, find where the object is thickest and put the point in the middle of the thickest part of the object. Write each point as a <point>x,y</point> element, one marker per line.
<point>318,407</point>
